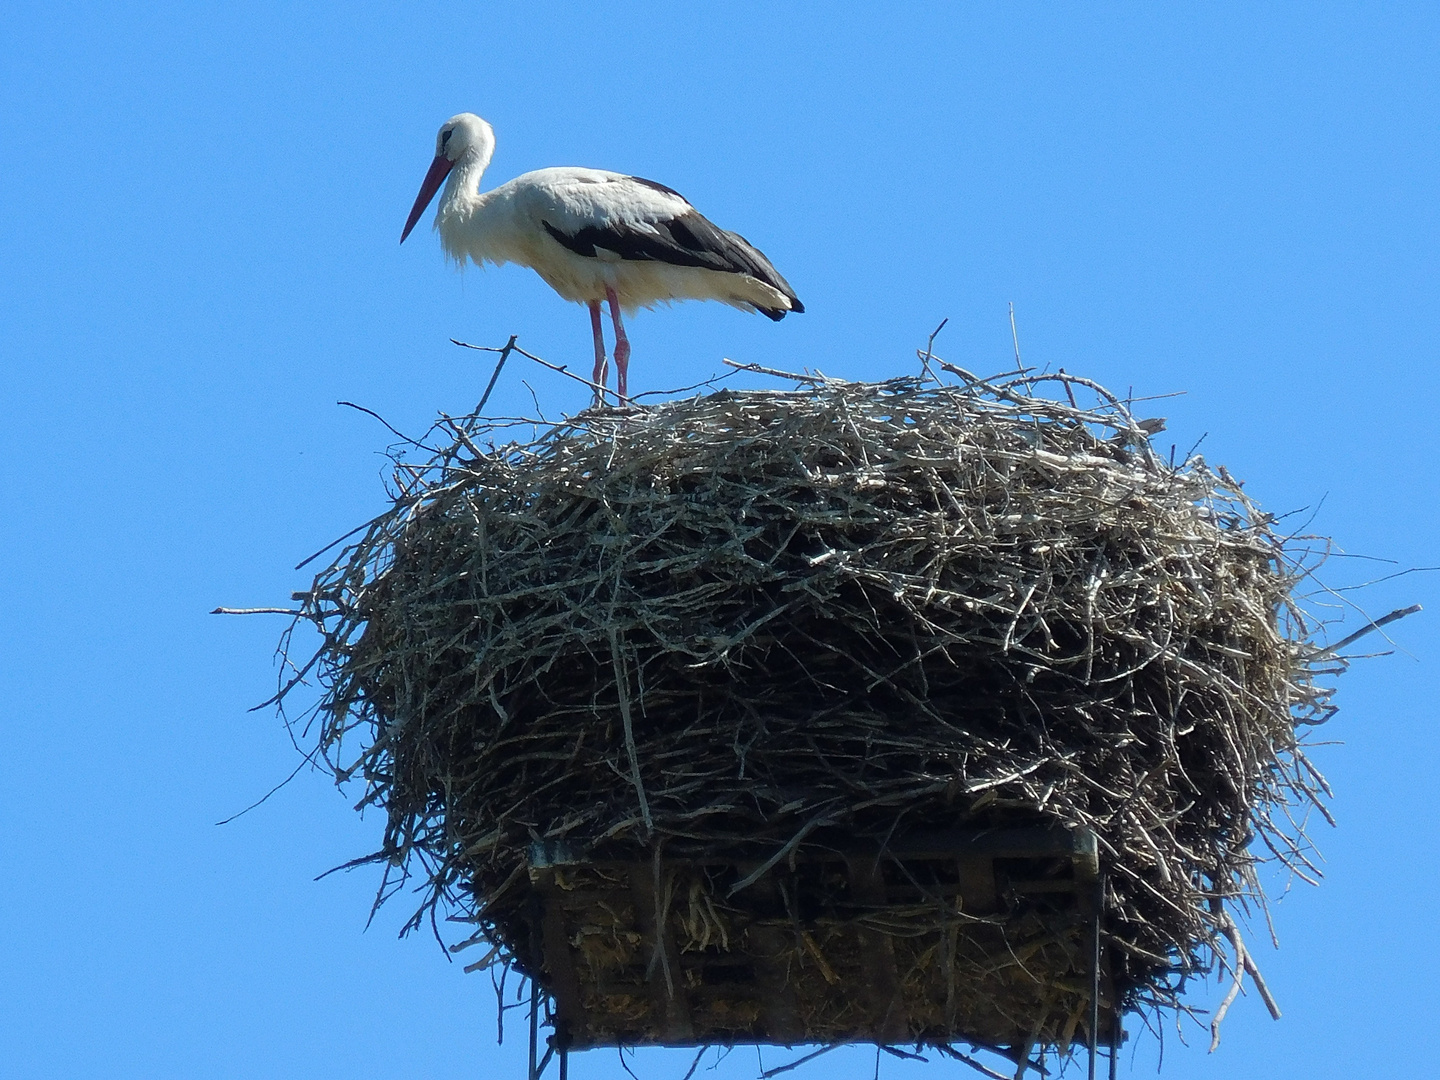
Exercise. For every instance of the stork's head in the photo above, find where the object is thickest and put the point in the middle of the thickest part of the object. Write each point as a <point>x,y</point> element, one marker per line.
<point>464,137</point>
<point>462,133</point>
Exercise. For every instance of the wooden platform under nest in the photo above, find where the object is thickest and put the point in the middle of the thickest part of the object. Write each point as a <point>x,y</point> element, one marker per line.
<point>971,936</point>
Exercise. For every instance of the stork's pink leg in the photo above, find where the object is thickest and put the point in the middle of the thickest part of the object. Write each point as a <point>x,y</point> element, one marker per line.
<point>599,377</point>
<point>622,346</point>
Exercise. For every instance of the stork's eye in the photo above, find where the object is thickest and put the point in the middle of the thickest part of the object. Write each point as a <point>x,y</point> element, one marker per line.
<point>445,137</point>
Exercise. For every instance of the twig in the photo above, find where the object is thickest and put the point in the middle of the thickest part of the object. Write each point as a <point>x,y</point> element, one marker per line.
<point>622,689</point>
<point>504,355</point>
<point>777,373</point>
<point>1069,390</point>
<point>1242,963</point>
<point>695,1064</point>
<point>600,391</point>
<point>930,347</point>
<point>768,1073</point>
<point>1387,577</point>
<point>1374,624</point>
<point>1015,337</point>
<point>790,845</point>
<point>1270,1003</point>
<point>712,381</point>
<point>978,1066</point>
<point>309,759</point>
<point>340,540</point>
<point>398,434</point>
<point>904,1055</point>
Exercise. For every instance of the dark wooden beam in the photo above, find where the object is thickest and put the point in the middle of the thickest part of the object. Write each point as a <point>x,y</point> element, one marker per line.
<point>564,984</point>
<point>1030,842</point>
<point>772,947</point>
<point>977,885</point>
<point>877,952</point>
<point>1037,842</point>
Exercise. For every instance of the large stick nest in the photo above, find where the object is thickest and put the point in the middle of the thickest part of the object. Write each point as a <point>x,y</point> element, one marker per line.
<point>760,621</point>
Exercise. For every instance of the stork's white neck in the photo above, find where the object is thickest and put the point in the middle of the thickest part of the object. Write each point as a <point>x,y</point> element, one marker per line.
<point>462,187</point>
<point>461,220</point>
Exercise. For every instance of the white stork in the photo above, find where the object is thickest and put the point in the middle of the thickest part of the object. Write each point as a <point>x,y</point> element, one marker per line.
<point>592,236</point>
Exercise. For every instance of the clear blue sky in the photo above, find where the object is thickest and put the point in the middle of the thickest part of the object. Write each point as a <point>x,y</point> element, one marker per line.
<point>198,258</point>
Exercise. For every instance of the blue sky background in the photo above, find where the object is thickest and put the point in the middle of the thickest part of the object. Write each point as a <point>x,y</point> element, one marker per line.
<point>198,258</point>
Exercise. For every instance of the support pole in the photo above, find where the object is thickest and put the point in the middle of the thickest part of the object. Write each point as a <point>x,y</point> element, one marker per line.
<point>1095,973</point>
<point>535,1028</point>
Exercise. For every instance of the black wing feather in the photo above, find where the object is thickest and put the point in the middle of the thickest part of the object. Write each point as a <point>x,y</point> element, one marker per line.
<point>689,239</point>
<point>657,186</point>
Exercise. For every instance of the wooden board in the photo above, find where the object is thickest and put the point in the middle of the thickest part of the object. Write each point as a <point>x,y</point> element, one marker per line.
<point>969,936</point>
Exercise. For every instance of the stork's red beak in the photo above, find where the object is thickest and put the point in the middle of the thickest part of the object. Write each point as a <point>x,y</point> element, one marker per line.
<point>439,169</point>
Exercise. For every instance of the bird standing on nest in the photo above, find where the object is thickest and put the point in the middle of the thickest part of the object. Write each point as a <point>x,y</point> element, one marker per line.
<point>592,236</point>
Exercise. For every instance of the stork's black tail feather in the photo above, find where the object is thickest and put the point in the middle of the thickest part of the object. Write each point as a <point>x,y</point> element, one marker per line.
<point>779,313</point>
